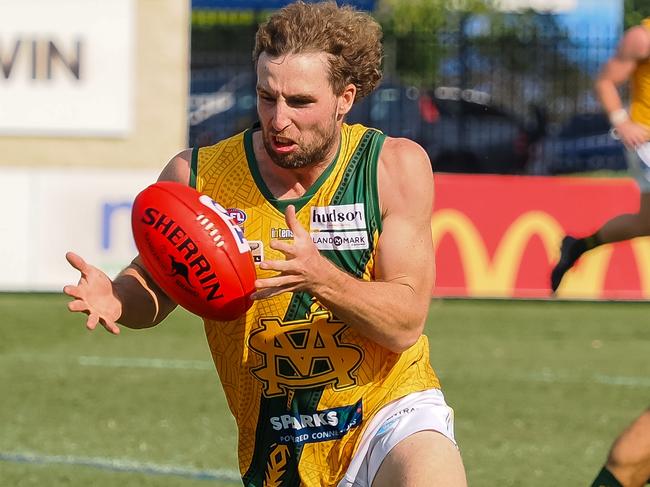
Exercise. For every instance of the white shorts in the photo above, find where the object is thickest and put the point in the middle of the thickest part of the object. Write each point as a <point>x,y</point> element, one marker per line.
<point>418,411</point>
<point>638,163</point>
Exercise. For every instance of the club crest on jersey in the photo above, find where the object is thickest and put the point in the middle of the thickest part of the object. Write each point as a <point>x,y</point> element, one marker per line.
<point>304,354</point>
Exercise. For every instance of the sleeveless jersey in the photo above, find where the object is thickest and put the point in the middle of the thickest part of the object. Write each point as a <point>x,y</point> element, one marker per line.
<point>640,88</point>
<point>300,383</point>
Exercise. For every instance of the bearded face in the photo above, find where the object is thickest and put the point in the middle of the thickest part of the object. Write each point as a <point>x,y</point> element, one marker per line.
<point>310,148</point>
<point>298,110</point>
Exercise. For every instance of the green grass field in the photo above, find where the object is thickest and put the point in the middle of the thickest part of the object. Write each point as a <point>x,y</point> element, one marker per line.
<point>540,390</point>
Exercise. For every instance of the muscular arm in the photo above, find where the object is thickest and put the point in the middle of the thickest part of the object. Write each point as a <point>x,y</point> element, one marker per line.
<point>144,304</point>
<point>392,309</point>
<point>132,298</point>
<point>633,48</point>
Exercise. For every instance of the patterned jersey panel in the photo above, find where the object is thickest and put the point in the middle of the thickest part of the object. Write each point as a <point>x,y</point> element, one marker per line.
<point>300,382</point>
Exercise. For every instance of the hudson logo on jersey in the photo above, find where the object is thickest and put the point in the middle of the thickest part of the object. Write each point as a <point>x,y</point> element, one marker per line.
<point>338,217</point>
<point>304,354</point>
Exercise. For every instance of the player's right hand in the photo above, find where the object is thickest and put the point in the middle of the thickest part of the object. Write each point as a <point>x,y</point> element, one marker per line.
<point>94,295</point>
<point>632,134</point>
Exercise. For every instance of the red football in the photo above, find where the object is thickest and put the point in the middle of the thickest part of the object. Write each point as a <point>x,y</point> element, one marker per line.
<point>193,250</point>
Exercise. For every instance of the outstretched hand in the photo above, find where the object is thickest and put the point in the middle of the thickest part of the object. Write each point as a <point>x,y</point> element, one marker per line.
<point>632,134</point>
<point>94,295</point>
<point>300,269</point>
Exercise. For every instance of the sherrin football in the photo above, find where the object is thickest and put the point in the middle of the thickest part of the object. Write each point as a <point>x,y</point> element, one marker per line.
<point>193,250</point>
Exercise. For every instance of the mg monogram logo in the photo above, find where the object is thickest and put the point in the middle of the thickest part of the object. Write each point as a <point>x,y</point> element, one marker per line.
<point>304,353</point>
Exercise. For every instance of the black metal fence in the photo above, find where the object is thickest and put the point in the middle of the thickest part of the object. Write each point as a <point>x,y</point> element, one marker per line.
<point>514,99</point>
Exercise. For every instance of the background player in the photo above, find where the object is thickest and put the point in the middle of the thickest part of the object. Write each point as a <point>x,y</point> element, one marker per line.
<point>628,463</point>
<point>630,63</point>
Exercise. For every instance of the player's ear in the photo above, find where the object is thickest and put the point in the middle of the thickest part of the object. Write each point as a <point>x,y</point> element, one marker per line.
<point>346,99</point>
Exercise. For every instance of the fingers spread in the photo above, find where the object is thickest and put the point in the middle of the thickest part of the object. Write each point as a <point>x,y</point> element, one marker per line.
<point>267,293</point>
<point>290,215</point>
<point>72,291</point>
<point>283,247</point>
<point>286,282</point>
<point>78,305</point>
<point>111,327</point>
<point>293,223</point>
<point>271,265</point>
<point>77,262</point>
<point>263,294</point>
<point>91,322</point>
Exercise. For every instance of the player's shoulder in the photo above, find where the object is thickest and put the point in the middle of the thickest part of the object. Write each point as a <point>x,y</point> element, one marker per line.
<point>178,168</point>
<point>636,42</point>
<point>404,174</point>
<point>404,156</point>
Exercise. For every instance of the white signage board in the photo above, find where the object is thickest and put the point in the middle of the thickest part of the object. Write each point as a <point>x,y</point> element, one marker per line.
<point>539,5</point>
<point>66,67</point>
<point>47,212</point>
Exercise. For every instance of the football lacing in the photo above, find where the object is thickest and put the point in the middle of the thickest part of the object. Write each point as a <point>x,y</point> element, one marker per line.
<point>213,231</point>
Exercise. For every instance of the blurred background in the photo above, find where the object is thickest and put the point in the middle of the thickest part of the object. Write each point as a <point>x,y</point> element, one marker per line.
<point>92,106</point>
<point>493,88</point>
<point>96,96</point>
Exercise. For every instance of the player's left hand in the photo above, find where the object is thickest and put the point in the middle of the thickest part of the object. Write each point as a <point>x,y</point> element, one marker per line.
<point>300,269</point>
<point>94,295</point>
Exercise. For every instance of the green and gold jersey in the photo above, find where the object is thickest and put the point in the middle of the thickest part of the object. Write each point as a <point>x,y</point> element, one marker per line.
<point>640,88</point>
<point>300,383</point>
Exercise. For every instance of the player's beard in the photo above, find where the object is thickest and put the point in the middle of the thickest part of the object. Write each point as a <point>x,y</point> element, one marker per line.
<point>309,154</point>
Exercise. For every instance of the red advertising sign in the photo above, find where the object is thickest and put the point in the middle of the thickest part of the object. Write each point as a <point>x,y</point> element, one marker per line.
<point>499,236</point>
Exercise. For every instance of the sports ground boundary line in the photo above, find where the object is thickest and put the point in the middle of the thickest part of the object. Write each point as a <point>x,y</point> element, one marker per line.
<point>149,363</point>
<point>122,465</point>
<point>117,362</point>
<point>609,380</point>
<point>545,375</point>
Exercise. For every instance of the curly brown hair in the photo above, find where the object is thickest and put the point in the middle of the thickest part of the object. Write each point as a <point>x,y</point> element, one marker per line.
<point>351,38</point>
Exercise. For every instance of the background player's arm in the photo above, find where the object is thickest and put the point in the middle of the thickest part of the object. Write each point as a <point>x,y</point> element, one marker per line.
<point>392,309</point>
<point>132,299</point>
<point>633,48</point>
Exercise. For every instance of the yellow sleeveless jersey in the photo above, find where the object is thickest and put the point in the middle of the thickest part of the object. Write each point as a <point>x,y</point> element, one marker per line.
<point>640,89</point>
<point>300,383</point>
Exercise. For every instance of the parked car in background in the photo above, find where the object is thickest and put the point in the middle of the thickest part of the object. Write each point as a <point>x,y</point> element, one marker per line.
<point>460,129</point>
<point>466,132</point>
<point>392,108</point>
<point>582,144</point>
<point>219,114</point>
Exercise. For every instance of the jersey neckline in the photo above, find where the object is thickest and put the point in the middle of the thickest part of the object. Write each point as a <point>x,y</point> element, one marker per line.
<point>281,204</point>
